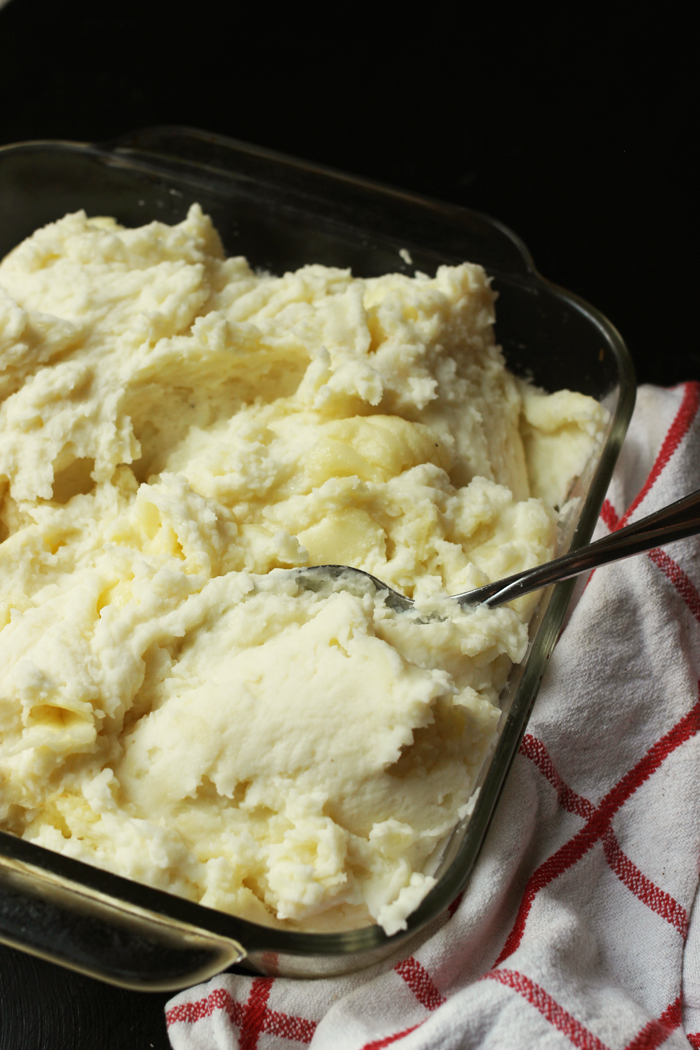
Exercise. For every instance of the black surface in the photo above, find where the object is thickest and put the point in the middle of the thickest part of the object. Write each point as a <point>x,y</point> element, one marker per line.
<point>576,132</point>
<point>45,1008</point>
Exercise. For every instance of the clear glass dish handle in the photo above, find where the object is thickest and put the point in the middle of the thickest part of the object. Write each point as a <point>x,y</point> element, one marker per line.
<point>365,202</point>
<point>68,924</point>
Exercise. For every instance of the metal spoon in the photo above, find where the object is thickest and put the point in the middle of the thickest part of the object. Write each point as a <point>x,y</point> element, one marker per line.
<point>674,522</point>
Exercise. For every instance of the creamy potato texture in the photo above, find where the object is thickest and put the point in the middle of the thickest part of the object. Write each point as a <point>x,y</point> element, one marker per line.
<point>174,428</point>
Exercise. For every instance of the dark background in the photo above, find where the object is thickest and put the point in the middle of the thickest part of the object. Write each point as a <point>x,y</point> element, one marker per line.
<point>574,130</point>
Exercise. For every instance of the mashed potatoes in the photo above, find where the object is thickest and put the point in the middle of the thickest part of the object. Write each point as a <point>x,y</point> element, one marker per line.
<point>175,427</point>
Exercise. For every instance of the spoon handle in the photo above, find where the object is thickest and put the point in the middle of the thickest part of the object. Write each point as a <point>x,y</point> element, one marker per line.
<point>674,522</point>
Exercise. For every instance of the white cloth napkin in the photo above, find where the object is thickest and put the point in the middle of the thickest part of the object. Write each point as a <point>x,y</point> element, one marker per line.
<point>578,926</point>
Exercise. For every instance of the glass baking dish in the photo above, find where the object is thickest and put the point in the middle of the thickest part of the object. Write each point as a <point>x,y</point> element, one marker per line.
<point>282,213</point>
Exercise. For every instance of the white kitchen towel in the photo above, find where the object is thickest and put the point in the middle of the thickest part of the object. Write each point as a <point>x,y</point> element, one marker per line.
<point>578,926</point>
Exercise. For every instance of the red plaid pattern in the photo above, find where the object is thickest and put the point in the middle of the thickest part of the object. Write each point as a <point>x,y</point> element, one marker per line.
<point>578,926</point>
